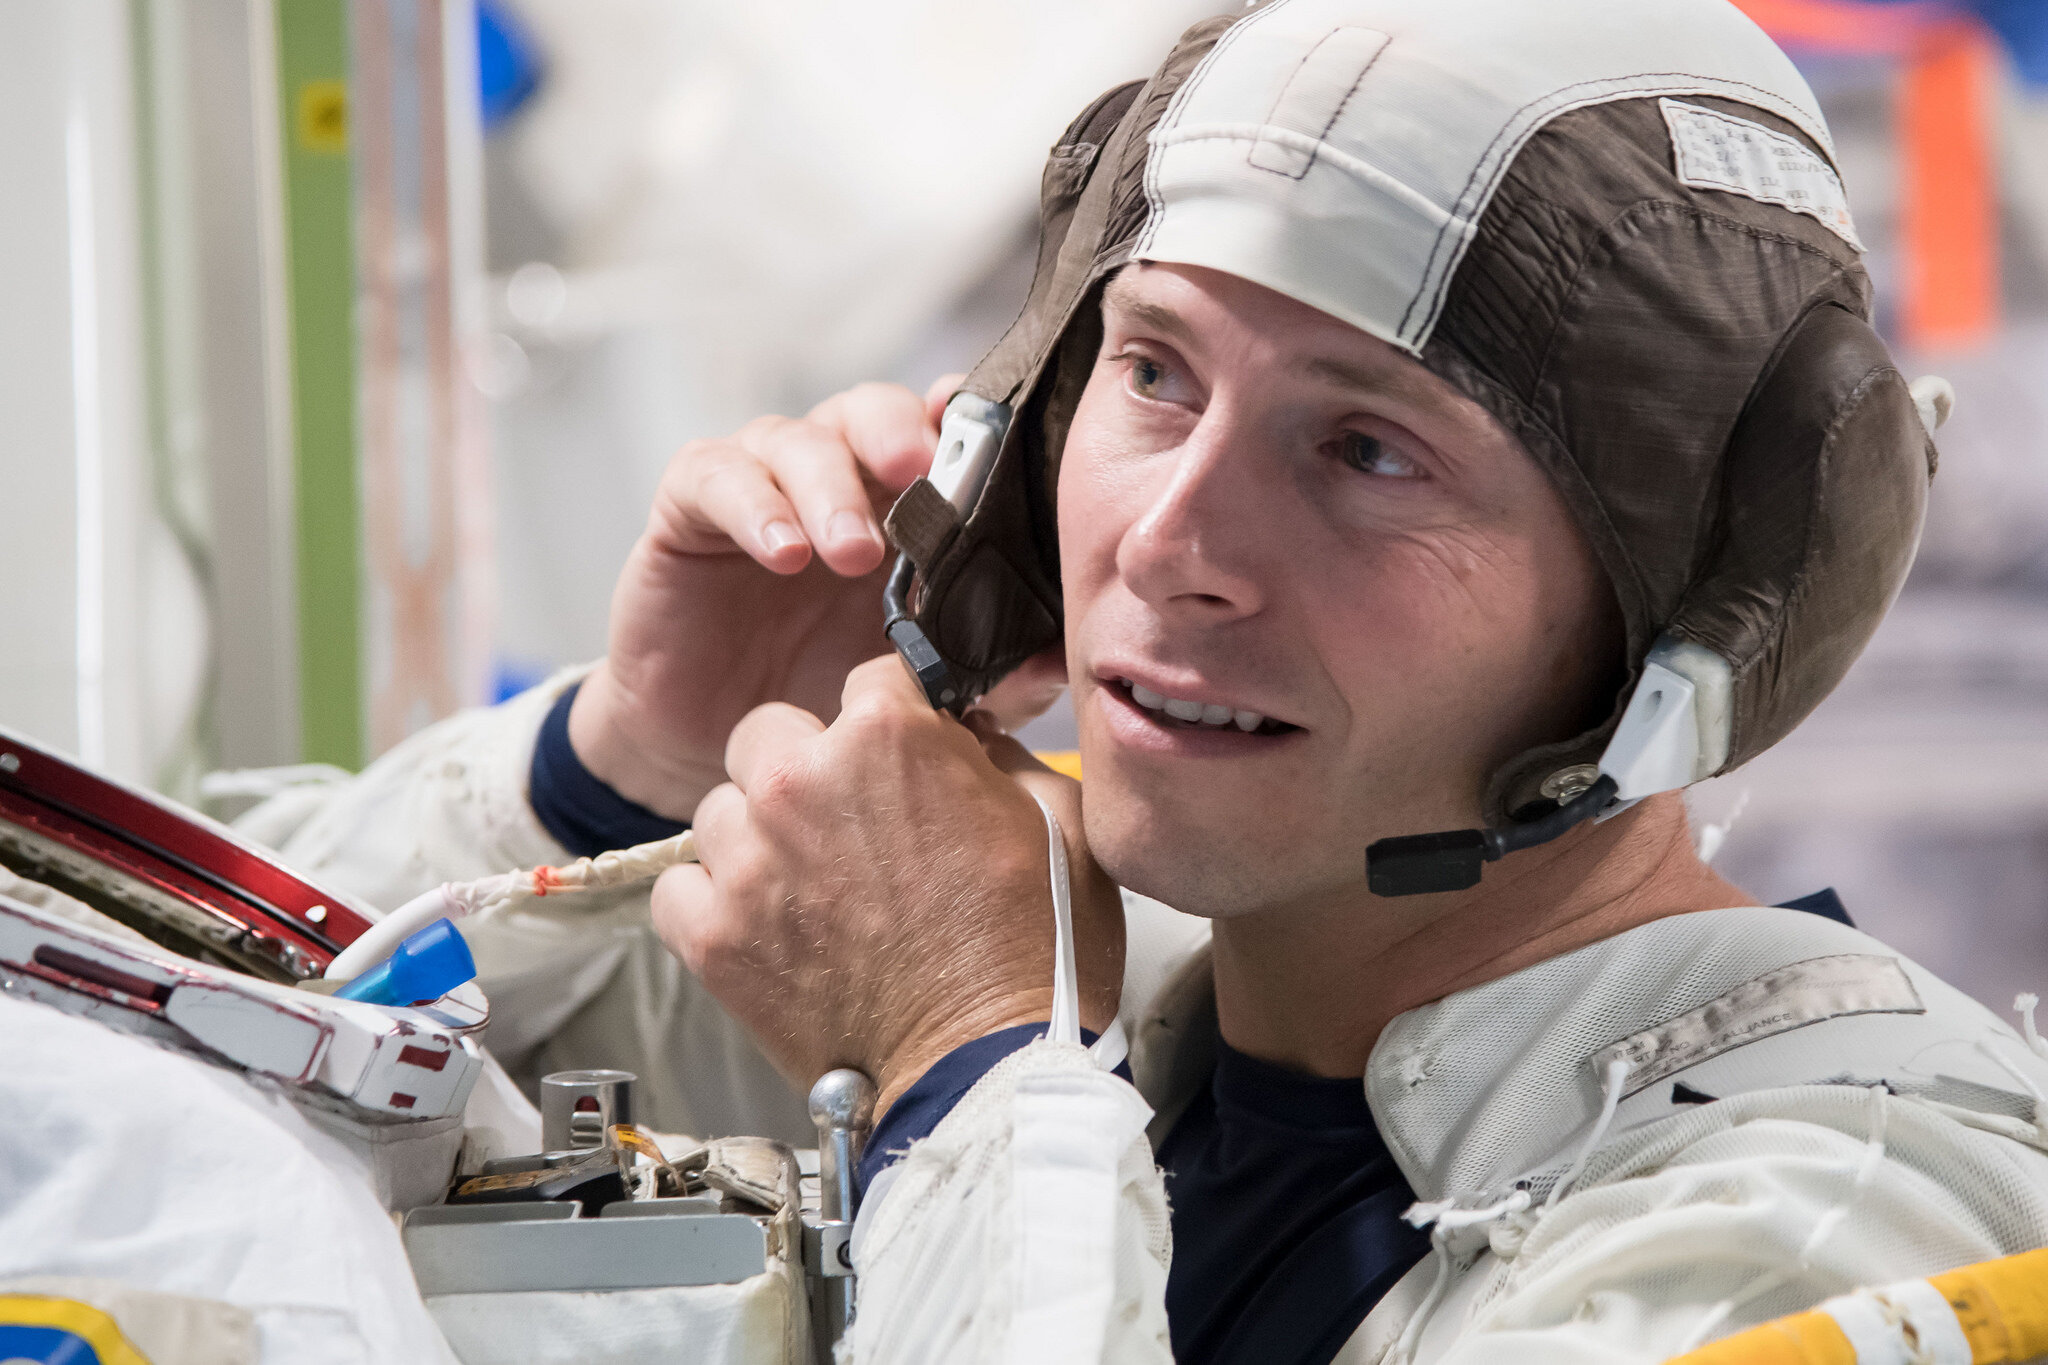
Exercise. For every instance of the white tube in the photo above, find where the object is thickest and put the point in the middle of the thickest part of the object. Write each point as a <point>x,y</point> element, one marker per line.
<point>383,937</point>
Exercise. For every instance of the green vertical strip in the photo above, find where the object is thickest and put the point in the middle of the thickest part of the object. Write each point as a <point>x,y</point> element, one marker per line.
<point>313,46</point>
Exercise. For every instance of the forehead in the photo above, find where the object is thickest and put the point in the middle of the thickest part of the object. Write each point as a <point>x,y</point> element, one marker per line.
<point>1216,314</point>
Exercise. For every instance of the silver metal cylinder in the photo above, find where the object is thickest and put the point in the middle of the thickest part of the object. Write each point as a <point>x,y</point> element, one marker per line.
<point>576,1107</point>
<point>843,1108</point>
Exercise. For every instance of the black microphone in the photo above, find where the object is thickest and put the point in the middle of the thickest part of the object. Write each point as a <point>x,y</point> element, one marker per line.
<point>1451,860</point>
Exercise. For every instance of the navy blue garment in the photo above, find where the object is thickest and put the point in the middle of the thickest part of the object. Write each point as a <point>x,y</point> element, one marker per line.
<point>584,814</point>
<point>1286,1216</point>
<point>1824,903</point>
<point>932,1096</point>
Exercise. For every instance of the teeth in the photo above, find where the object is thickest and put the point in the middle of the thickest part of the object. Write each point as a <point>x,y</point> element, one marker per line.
<point>1214,714</point>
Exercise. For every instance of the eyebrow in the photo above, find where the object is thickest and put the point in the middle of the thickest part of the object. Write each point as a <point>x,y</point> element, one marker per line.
<point>1155,316</point>
<point>1392,379</point>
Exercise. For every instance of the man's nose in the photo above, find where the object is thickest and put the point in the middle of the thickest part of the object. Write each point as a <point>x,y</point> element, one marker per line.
<point>1195,547</point>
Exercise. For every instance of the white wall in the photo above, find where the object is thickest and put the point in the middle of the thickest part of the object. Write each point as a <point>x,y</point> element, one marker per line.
<point>104,633</point>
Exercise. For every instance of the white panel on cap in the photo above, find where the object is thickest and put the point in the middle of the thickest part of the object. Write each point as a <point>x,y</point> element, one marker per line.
<point>1424,103</point>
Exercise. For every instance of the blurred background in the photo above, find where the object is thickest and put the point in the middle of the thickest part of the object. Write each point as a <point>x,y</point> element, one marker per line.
<point>343,344</point>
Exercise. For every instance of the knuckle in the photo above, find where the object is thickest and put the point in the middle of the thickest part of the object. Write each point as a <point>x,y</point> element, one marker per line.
<point>781,790</point>
<point>695,452</point>
<point>884,721</point>
<point>762,429</point>
<point>704,945</point>
<point>727,475</point>
<point>876,393</point>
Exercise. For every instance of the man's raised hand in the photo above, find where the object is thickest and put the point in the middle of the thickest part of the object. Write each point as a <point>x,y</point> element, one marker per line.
<point>874,893</point>
<point>757,579</point>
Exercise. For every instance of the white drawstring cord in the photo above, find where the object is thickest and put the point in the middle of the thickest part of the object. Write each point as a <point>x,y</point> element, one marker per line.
<point>2033,1090</point>
<point>1443,1217</point>
<point>1110,1050</point>
<point>1411,1335</point>
<point>1712,837</point>
<point>1610,1100</point>
<point>1113,1046</point>
<point>2024,1003</point>
<point>1066,986</point>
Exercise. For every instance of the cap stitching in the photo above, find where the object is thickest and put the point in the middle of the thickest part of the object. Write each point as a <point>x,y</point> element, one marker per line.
<point>1441,285</point>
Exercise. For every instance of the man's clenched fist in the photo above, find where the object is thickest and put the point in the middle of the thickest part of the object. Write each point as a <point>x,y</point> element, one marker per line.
<point>874,894</point>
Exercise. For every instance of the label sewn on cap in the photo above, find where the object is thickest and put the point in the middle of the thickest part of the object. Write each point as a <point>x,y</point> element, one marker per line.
<point>1716,151</point>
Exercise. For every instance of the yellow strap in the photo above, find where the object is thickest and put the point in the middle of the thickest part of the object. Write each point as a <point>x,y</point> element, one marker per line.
<point>2002,1305</point>
<point>1802,1339</point>
<point>91,1325</point>
<point>1064,761</point>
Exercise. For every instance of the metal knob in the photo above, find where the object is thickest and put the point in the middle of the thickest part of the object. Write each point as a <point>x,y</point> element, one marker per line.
<point>843,1108</point>
<point>578,1107</point>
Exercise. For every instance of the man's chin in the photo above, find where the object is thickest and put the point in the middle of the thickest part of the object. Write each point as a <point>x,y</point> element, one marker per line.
<point>1221,874</point>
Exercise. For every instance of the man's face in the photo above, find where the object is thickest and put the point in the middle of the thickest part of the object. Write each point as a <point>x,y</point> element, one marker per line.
<point>1269,518</point>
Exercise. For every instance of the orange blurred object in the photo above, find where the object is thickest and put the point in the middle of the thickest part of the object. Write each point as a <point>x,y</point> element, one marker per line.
<point>1847,26</point>
<point>1949,285</point>
<point>1949,190</point>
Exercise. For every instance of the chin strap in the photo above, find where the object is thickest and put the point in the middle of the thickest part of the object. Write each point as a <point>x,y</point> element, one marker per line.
<point>917,652</point>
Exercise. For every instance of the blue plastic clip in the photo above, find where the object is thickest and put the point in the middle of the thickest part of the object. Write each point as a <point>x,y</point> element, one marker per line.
<point>425,967</point>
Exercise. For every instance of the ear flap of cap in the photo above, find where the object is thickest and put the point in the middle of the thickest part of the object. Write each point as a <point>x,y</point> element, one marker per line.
<point>1825,485</point>
<point>989,599</point>
<point>987,593</point>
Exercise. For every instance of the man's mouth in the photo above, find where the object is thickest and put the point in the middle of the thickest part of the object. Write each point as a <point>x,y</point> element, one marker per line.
<point>1180,713</point>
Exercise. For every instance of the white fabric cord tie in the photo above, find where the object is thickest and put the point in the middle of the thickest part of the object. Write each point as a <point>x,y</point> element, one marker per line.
<point>1112,1047</point>
<point>1066,984</point>
<point>1069,1132</point>
<point>2025,1003</point>
<point>1444,1219</point>
<point>1610,1100</point>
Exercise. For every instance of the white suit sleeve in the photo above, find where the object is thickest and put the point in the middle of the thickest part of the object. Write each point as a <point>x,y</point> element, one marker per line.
<point>1030,1226</point>
<point>448,804</point>
<point>1777,1201</point>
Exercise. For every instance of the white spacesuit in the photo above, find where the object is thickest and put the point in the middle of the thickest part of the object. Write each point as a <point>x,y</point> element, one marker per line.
<point>1619,1152</point>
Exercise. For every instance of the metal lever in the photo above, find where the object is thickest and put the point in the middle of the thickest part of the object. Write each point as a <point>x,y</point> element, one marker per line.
<point>843,1108</point>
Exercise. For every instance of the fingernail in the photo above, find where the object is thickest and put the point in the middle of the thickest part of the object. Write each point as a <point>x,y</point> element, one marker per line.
<point>849,526</point>
<point>778,535</point>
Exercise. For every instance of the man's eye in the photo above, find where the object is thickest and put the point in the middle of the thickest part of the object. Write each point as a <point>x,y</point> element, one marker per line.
<point>1371,455</point>
<point>1146,377</point>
